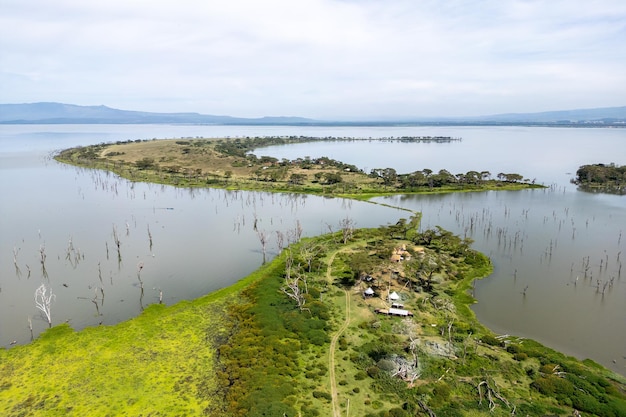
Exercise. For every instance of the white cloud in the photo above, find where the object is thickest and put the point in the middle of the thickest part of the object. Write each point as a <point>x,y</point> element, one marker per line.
<point>316,58</point>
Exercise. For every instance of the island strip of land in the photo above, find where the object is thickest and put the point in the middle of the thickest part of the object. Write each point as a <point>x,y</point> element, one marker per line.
<point>233,164</point>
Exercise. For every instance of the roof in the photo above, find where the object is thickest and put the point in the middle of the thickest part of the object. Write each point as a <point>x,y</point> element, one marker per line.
<point>399,312</point>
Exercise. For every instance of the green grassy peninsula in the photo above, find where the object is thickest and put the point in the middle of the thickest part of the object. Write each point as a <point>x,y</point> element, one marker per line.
<point>234,164</point>
<point>361,322</point>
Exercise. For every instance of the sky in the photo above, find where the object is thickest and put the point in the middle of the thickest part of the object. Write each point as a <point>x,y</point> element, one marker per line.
<point>323,59</point>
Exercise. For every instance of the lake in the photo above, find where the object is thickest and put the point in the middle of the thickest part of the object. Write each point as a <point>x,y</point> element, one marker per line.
<point>557,252</point>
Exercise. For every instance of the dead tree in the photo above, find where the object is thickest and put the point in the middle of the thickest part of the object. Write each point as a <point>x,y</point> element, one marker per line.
<point>298,230</point>
<point>43,301</point>
<point>490,393</point>
<point>280,239</point>
<point>263,238</point>
<point>42,259</point>
<point>150,238</point>
<point>308,252</point>
<point>295,284</point>
<point>347,226</point>
<point>118,243</point>
<point>18,272</point>
<point>426,409</point>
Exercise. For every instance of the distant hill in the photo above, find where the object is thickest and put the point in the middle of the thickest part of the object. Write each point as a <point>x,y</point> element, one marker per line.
<point>58,113</point>
<point>606,114</point>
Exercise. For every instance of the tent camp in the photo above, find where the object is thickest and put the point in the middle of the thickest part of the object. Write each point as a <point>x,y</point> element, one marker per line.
<point>394,296</point>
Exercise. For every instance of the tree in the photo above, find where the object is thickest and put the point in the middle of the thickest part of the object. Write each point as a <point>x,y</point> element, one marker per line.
<point>43,301</point>
<point>297,178</point>
<point>389,176</point>
<point>473,177</point>
<point>423,269</point>
<point>514,177</point>
<point>332,177</point>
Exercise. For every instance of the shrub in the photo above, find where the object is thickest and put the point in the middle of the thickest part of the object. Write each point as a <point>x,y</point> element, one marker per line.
<point>398,412</point>
<point>513,349</point>
<point>322,395</point>
<point>373,371</point>
<point>359,376</point>
<point>386,365</point>
<point>490,340</point>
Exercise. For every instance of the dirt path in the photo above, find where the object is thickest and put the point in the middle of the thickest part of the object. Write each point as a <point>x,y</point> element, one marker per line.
<point>333,342</point>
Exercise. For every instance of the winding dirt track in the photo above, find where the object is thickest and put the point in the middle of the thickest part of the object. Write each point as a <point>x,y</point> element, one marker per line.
<point>333,343</point>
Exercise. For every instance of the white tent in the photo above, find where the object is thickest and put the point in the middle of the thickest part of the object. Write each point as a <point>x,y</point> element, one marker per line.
<point>369,291</point>
<point>394,296</point>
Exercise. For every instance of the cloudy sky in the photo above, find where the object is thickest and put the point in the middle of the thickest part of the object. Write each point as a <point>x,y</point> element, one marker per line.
<point>325,59</point>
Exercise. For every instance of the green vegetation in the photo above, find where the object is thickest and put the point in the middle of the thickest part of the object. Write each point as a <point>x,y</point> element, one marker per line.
<point>303,335</point>
<point>263,347</point>
<point>230,163</point>
<point>602,178</point>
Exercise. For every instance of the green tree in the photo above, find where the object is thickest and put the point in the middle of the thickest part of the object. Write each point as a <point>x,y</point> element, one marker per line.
<point>332,177</point>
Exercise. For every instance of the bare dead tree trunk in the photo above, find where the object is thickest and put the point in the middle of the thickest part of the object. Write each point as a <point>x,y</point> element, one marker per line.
<point>30,327</point>
<point>43,301</point>
<point>150,238</point>
<point>298,230</point>
<point>280,239</point>
<point>263,238</point>
<point>42,260</point>
<point>347,226</point>
<point>118,243</point>
<point>308,252</point>
<point>426,409</point>
<point>293,284</point>
<point>18,272</point>
<point>490,393</point>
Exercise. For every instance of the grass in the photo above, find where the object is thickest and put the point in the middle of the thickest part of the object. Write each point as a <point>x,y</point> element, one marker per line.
<point>159,363</point>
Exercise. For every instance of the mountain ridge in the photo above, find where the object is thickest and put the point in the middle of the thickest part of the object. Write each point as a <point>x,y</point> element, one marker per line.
<point>61,113</point>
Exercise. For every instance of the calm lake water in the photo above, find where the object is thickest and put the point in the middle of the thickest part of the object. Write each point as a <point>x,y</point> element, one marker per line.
<point>561,247</point>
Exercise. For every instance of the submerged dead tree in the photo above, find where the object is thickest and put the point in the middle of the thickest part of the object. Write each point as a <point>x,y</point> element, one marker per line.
<point>118,244</point>
<point>263,238</point>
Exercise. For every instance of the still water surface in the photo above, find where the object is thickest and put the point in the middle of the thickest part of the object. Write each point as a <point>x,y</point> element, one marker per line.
<point>202,240</point>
